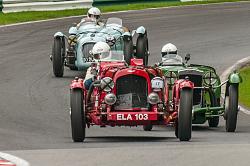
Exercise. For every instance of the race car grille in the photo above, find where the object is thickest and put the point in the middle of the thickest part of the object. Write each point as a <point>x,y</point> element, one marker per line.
<point>86,48</point>
<point>131,91</point>
<point>197,80</point>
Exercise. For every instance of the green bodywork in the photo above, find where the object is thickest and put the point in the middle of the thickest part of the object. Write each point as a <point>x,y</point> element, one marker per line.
<point>209,105</point>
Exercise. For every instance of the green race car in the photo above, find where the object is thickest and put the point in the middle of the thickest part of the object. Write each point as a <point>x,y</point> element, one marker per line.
<point>207,105</point>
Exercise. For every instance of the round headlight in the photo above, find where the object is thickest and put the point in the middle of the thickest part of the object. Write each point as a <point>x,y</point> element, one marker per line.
<point>107,84</point>
<point>72,39</point>
<point>110,99</point>
<point>170,77</point>
<point>153,98</point>
<point>210,78</point>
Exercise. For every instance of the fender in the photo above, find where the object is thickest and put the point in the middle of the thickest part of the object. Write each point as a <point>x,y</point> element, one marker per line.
<point>181,84</point>
<point>72,30</point>
<point>127,36</point>
<point>234,78</point>
<point>141,30</point>
<point>77,83</point>
<point>58,35</point>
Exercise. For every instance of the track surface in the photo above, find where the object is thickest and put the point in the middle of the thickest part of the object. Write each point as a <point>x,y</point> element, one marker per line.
<point>35,106</point>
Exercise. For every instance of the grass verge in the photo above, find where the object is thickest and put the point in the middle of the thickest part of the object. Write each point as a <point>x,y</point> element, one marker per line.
<point>244,89</point>
<point>18,17</point>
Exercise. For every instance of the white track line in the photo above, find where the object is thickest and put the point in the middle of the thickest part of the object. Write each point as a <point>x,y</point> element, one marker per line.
<point>125,11</point>
<point>239,64</point>
<point>14,159</point>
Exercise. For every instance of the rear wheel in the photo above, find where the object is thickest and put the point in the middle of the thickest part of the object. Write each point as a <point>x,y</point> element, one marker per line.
<point>185,115</point>
<point>147,127</point>
<point>232,109</point>
<point>142,48</point>
<point>78,123</point>
<point>128,49</point>
<point>58,54</point>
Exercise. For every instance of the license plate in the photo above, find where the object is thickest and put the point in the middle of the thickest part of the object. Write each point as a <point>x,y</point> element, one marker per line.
<point>132,117</point>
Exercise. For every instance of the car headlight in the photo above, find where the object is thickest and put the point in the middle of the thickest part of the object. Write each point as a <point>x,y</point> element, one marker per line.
<point>153,98</point>
<point>107,84</point>
<point>210,78</point>
<point>157,84</point>
<point>110,40</point>
<point>170,77</point>
<point>110,99</point>
<point>72,39</point>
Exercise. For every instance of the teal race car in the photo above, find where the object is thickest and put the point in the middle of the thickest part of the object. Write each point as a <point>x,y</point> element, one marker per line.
<point>73,51</point>
<point>207,95</point>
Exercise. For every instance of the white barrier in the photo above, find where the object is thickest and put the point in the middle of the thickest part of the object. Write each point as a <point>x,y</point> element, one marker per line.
<point>32,5</point>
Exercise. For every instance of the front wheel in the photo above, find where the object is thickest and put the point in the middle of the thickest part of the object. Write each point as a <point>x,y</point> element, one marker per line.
<point>58,54</point>
<point>78,122</point>
<point>142,48</point>
<point>185,115</point>
<point>232,108</point>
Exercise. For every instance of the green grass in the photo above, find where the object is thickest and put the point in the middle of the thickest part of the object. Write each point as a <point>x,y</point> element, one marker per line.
<point>9,18</point>
<point>244,90</point>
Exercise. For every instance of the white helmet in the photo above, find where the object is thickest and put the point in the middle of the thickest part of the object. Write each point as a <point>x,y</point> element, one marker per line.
<point>94,12</point>
<point>168,49</point>
<point>101,50</point>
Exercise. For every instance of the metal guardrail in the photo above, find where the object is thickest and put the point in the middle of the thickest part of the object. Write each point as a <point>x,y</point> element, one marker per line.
<point>7,6</point>
<point>43,5</point>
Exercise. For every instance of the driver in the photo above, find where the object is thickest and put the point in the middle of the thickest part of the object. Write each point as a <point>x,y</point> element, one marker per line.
<point>169,54</point>
<point>101,50</point>
<point>93,15</point>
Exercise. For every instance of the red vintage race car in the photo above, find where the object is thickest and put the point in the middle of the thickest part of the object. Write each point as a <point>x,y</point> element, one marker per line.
<point>123,95</point>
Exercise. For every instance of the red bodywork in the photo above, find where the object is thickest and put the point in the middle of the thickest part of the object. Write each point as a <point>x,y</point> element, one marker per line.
<point>99,113</point>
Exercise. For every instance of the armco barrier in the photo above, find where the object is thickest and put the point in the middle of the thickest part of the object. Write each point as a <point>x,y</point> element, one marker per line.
<point>7,6</point>
<point>111,2</point>
<point>42,5</point>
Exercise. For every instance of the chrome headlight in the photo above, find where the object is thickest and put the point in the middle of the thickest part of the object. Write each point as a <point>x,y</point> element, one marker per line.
<point>110,40</point>
<point>153,98</point>
<point>157,84</point>
<point>107,84</point>
<point>110,99</point>
<point>170,77</point>
<point>72,39</point>
<point>210,78</point>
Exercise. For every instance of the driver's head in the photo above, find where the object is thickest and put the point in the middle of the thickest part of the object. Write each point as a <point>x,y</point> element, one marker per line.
<point>101,50</point>
<point>94,12</point>
<point>169,49</point>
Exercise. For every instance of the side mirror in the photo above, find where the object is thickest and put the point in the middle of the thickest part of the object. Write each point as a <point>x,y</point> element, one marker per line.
<point>187,57</point>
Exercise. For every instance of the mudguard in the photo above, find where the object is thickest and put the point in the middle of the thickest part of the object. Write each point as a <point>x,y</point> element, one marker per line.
<point>141,30</point>
<point>77,84</point>
<point>58,34</point>
<point>127,36</point>
<point>73,31</point>
<point>234,78</point>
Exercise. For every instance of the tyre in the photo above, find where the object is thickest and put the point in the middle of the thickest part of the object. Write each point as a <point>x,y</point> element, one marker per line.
<point>58,54</point>
<point>78,122</point>
<point>214,121</point>
<point>185,115</point>
<point>176,130</point>
<point>232,110</point>
<point>128,49</point>
<point>142,48</point>
<point>147,127</point>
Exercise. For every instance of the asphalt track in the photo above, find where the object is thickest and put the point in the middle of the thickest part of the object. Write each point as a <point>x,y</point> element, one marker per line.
<point>34,118</point>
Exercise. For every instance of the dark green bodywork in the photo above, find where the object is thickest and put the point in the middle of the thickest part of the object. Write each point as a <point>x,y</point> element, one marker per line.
<point>210,105</point>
